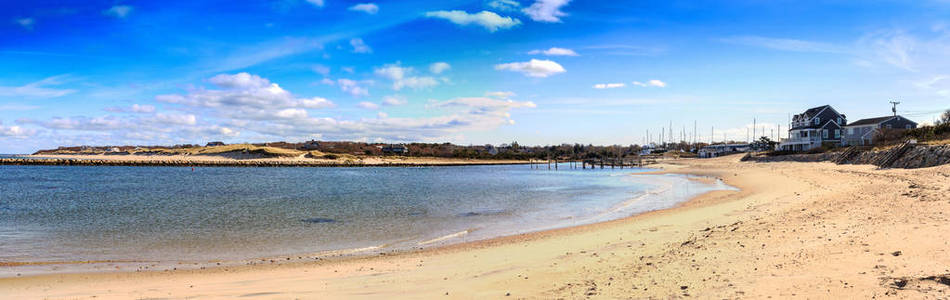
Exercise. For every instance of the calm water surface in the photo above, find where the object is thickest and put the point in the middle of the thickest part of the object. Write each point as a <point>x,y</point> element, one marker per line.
<point>165,214</point>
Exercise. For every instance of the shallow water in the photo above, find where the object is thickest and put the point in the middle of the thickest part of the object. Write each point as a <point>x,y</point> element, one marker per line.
<point>169,214</point>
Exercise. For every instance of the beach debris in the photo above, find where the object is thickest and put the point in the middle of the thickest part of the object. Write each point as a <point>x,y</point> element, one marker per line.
<point>896,253</point>
<point>318,220</point>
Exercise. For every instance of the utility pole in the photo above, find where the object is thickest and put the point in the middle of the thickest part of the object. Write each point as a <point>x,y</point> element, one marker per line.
<point>894,107</point>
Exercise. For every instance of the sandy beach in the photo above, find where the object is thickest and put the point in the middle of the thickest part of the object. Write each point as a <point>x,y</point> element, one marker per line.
<point>793,230</point>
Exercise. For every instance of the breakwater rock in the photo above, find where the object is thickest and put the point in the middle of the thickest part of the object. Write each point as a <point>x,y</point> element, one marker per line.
<point>224,163</point>
<point>913,156</point>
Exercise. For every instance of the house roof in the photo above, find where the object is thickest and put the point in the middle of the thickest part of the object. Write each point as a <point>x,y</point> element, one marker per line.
<point>815,110</point>
<point>870,121</point>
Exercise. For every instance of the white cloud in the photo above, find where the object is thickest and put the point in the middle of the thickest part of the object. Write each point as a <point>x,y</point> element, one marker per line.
<point>316,103</point>
<point>439,67</point>
<point>650,83</point>
<point>546,10</point>
<point>533,68</point>
<point>135,108</point>
<point>317,3</point>
<point>16,131</point>
<point>243,93</point>
<point>402,77</point>
<point>359,46</point>
<point>38,89</point>
<point>504,5</point>
<point>486,19</point>
<point>352,87</point>
<point>368,105</point>
<point>394,100</point>
<point>118,11</point>
<point>382,115</point>
<point>239,81</point>
<point>555,51</point>
<point>26,23</point>
<point>176,119</point>
<point>609,85</point>
<point>500,94</point>
<point>256,109</point>
<point>369,8</point>
<point>291,113</point>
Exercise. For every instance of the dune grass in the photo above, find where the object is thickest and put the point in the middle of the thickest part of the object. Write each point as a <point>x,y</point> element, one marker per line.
<point>216,150</point>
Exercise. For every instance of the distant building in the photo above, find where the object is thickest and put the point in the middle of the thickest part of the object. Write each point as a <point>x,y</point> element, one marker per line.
<point>213,144</point>
<point>812,128</point>
<point>311,145</point>
<point>395,149</point>
<point>864,131</point>
<point>722,149</point>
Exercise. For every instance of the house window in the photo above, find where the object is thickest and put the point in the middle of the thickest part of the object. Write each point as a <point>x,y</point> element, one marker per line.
<point>839,120</point>
<point>817,120</point>
<point>850,131</point>
<point>907,126</point>
<point>888,126</point>
<point>837,133</point>
<point>824,133</point>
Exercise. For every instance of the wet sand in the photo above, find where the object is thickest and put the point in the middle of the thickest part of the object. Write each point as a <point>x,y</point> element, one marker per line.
<point>802,230</point>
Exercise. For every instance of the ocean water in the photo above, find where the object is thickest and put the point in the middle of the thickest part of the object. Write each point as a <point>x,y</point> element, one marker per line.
<point>174,215</point>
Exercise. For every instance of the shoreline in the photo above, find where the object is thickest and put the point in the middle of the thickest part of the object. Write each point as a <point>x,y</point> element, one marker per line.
<point>222,161</point>
<point>338,255</point>
<point>793,230</point>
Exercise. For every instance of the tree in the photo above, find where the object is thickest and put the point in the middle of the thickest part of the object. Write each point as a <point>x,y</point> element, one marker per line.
<point>944,118</point>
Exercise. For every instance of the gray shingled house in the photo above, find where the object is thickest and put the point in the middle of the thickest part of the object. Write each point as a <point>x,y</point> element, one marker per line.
<point>812,128</point>
<point>864,131</point>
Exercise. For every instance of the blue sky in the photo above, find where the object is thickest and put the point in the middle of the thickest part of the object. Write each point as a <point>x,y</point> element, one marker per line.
<point>467,72</point>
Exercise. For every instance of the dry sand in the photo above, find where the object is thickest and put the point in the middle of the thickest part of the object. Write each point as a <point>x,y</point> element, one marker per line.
<point>795,230</point>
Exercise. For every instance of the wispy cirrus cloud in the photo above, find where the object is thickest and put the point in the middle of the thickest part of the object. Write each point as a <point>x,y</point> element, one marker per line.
<point>555,51</point>
<point>38,89</point>
<point>785,44</point>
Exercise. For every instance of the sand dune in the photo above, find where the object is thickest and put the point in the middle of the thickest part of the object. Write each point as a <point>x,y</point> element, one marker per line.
<point>808,230</point>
